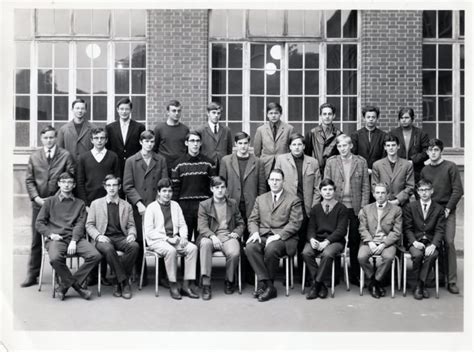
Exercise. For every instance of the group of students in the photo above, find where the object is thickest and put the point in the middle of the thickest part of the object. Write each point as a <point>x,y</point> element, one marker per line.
<point>295,195</point>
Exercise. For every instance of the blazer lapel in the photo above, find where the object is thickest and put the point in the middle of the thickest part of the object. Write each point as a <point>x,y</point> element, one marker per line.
<point>131,127</point>
<point>340,166</point>
<point>306,164</point>
<point>354,165</point>
<point>235,164</point>
<point>280,131</point>
<point>84,128</point>
<point>269,132</point>
<point>279,201</point>
<point>291,161</point>
<point>212,134</point>
<point>151,166</point>
<point>397,168</point>
<point>118,131</point>
<point>250,166</point>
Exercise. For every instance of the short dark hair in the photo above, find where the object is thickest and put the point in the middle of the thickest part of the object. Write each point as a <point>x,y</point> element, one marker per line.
<point>147,134</point>
<point>405,110</point>
<point>98,130</point>
<point>164,183</point>
<point>218,180</point>
<point>112,177</point>
<point>194,133</point>
<point>213,105</point>
<point>126,101</point>
<point>78,100</point>
<point>327,105</point>
<point>173,103</point>
<point>391,138</point>
<point>241,135</point>
<point>66,175</point>
<point>273,105</point>
<point>295,136</point>
<point>278,171</point>
<point>327,182</point>
<point>424,182</point>
<point>370,108</point>
<point>435,142</point>
<point>381,184</point>
<point>49,128</point>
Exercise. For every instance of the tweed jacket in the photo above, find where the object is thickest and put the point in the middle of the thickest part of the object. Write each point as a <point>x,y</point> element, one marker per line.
<point>390,223</point>
<point>266,147</point>
<point>140,181</point>
<point>370,151</point>
<point>415,227</point>
<point>208,223</point>
<point>73,143</point>
<point>154,223</point>
<point>215,146</point>
<point>359,179</point>
<point>97,218</point>
<point>41,177</point>
<point>254,179</point>
<point>401,180</point>
<point>311,178</point>
<point>284,219</point>
<point>320,146</point>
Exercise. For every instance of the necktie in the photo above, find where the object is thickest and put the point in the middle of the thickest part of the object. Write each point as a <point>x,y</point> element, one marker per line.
<point>327,208</point>
<point>48,156</point>
<point>424,210</point>
<point>274,199</point>
<point>370,136</point>
<point>215,128</point>
<point>274,131</point>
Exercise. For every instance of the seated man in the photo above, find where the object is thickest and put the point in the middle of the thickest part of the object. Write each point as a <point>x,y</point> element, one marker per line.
<point>110,223</point>
<point>167,234</point>
<point>220,227</point>
<point>273,224</point>
<point>380,229</point>
<point>424,225</point>
<point>61,221</point>
<point>327,228</point>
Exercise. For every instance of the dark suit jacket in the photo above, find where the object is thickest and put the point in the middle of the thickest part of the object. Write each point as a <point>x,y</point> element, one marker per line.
<point>416,150</point>
<point>390,222</point>
<point>415,227</point>
<point>372,151</point>
<point>284,219</point>
<point>73,143</point>
<point>215,146</point>
<point>116,143</point>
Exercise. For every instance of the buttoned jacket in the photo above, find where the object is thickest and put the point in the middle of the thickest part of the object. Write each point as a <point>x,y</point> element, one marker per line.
<point>390,223</point>
<point>415,226</point>
<point>215,146</point>
<point>76,144</point>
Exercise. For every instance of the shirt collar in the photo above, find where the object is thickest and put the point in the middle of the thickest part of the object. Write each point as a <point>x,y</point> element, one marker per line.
<point>381,206</point>
<point>62,197</point>
<point>96,153</point>
<point>428,203</point>
<point>53,150</point>
<point>211,125</point>
<point>439,162</point>
<point>331,203</point>
<point>110,200</point>
<point>278,195</point>
<point>277,124</point>
<point>122,123</point>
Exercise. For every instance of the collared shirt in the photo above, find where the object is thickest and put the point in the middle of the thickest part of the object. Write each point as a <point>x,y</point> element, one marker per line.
<point>124,128</point>
<point>52,151</point>
<point>212,126</point>
<point>110,200</point>
<point>98,155</point>
<point>276,196</point>
<point>332,203</point>
<point>62,197</point>
<point>425,212</point>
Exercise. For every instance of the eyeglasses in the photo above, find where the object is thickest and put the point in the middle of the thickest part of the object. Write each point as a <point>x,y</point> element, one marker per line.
<point>194,141</point>
<point>424,189</point>
<point>99,138</point>
<point>113,185</point>
<point>66,182</point>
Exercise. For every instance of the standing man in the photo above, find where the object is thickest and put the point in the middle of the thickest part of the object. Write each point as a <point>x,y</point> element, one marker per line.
<point>110,224</point>
<point>216,138</point>
<point>352,188</point>
<point>171,135</point>
<point>413,141</point>
<point>396,172</point>
<point>321,140</point>
<point>448,190</point>
<point>272,138</point>
<point>220,229</point>
<point>380,229</point>
<point>275,220</point>
<point>124,134</point>
<point>75,136</point>
<point>424,226</point>
<point>44,167</point>
<point>61,221</point>
<point>191,180</point>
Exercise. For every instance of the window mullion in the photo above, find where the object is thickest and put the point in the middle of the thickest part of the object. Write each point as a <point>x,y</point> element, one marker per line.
<point>322,75</point>
<point>34,94</point>
<point>284,80</point>
<point>246,87</point>
<point>110,82</point>
<point>72,74</point>
<point>456,96</point>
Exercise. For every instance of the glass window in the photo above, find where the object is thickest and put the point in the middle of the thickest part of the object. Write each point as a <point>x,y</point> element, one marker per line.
<point>23,23</point>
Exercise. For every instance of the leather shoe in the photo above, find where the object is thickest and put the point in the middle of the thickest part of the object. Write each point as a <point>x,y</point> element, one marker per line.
<point>206,292</point>
<point>313,292</point>
<point>269,293</point>
<point>323,290</point>
<point>229,288</point>
<point>126,290</point>
<point>374,291</point>
<point>86,294</point>
<point>418,293</point>
<point>30,281</point>
<point>382,291</point>
<point>174,293</point>
<point>117,291</point>
<point>188,292</point>
<point>426,294</point>
<point>61,292</point>
<point>257,293</point>
<point>164,282</point>
<point>453,288</point>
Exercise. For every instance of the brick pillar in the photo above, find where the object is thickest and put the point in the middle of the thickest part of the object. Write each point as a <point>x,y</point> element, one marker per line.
<point>177,64</point>
<point>391,46</point>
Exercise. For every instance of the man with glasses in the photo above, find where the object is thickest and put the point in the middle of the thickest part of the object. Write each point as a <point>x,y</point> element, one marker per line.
<point>110,224</point>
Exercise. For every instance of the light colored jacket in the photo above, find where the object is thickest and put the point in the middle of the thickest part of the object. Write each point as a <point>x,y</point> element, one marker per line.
<point>74,143</point>
<point>154,224</point>
<point>390,223</point>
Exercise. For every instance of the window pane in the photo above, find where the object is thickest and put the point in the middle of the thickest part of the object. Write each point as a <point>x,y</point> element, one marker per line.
<point>122,55</point>
<point>121,23</point>
<point>349,20</point>
<point>22,134</point>
<point>100,108</point>
<point>98,52</point>
<point>61,111</point>
<point>138,22</point>
<point>139,108</point>
<point>257,22</point>
<point>234,128</point>
<point>445,56</point>
<point>297,127</point>
<point>235,23</point>
<point>257,112</point>
<point>462,82</point>
<point>83,60</point>
<point>274,54</point>
<point>45,81</point>
<point>429,82</point>
<point>256,82</point>
<point>23,23</point>
<point>295,109</point>
<point>22,108</point>
<point>349,128</point>
<point>296,22</point>
<point>350,56</point>
<point>429,24</point>
<point>462,57</point>
<point>219,82</point>
<point>462,108</point>
<point>295,56</point>
<point>61,81</point>
<point>462,135</point>
<point>22,54</point>
<point>311,83</point>
<point>273,83</point>
<point>312,21</point>
<point>83,82</point>
<point>62,21</point>
<point>138,81</point>
<point>445,108</point>
<point>44,108</point>
<point>235,82</point>
<point>257,56</point>
<point>461,23</point>
<point>295,82</point>
<point>138,55</point>
<point>61,55</point>
<point>311,106</point>
<point>445,24</point>
<point>336,101</point>
<point>333,24</point>
<point>217,23</point>
<point>83,21</point>
<point>22,81</point>
<point>429,109</point>
<point>350,82</point>
<point>235,55</point>
<point>100,22</point>
<point>349,106</point>
<point>219,55</point>
<point>275,22</point>
<point>445,82</point>
<point>100,81</point>
<point>45,55</point>
<point>333,56</point>
<point>45,21</point>
<point>446,134</point>
<point>235,109</point>
<point>430,129</point>
<point>122,79</point>
<point>429,56</point>
<point>333,82</point>
<point>312,56</point>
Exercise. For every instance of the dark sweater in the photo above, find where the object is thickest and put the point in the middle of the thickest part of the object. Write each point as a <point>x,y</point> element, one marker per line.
<point>169,141</point>
<point>447,185</point>
<point>332,226</point>
<point>91,174</point>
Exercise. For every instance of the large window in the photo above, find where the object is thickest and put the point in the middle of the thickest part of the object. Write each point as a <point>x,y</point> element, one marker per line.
<point>96,55</point>
<point>443,76</point>
<point>299,59</point>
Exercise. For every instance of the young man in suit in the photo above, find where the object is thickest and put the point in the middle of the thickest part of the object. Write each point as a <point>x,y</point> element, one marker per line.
<point>272,138</point>
<point>61,221</point>
<point>413,140</point>
<point>110,224</point>
<point>75,136</point>
<point>352,188</point>
<point>216,137</point>
<point>321,140</point>
<point>124,134</point>
<point>396,172</point>
<point>424,226</point>
<point>380,229</point>
<point>448,190</point>
<point>44,167</point>
<point>274,223</point>
<point>171,134</point>
<point>220,229</point>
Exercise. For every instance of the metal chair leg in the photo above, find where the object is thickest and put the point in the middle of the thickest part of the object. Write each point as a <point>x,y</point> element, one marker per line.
<point>362,278</point>
<point>239,268</point>
<point>437,277</point>
<point>333,277</point>
<point>346,274</point>
<point>157,267</point>
<point>292,276</point>
<point>140,285</point>
<point>256,279</point>
<point>99,278</point>
<point>41,272</point>
<point>287,277</point>
<point>303,278</point>
<point>404,276</point>
<point>54,282</point>
<point>393,278</point>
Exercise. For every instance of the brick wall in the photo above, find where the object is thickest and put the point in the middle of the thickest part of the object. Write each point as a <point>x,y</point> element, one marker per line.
<point>177,64</point>
<point>391,46</point>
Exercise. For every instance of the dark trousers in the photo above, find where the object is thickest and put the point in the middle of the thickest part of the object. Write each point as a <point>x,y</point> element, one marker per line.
<point>422,264</point>
<point>265,260</point>
<point>327,257</point>
<point>353,244</point>
<point>247,271</point>
<point>57,251</point>
<point>122,266</point>
<point>34,262</point>
<point>190,211</point>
